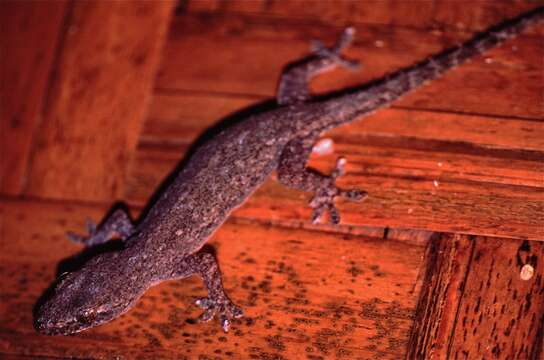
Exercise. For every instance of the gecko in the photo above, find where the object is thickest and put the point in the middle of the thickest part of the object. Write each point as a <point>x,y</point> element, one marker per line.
<point>167,243</point>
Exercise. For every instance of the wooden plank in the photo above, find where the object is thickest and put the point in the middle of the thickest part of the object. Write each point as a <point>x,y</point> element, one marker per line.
<point>418,175</point>
<point>403,197</point>
<point>482,297</point>
<point>319,294</point>
<point>30,32</point>
<point>426,14</point>
<point>178,118</point>
<point>447,262</point>
<point>98,99</point>
<point>501,314</point>
<point>239,55</point>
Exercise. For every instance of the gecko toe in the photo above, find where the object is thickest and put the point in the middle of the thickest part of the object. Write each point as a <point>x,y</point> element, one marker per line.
<point>81,239</point>
<point>225,323</point>
<point>334,215</point>
<point>354,195</point>
<point>91,226</point>
<point>317,213</point>
<point>78,239</point>
<point>237,312</point>
<point>207,315</point>
<point>204,303</point>
<point>224,307</point>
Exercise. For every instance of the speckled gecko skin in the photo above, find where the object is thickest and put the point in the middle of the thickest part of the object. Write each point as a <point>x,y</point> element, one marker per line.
<point>221,174</point>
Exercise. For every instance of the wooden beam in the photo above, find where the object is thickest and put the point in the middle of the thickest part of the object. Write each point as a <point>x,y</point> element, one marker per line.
<point>237,55</point>
<point>30,32</point>
<point>98,99</point>
<point>398,13</point>
<point>482,297</point>
<point>418,175</point>
<point>447,261</point>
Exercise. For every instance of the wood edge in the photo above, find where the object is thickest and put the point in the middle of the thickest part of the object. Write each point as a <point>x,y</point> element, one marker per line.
<point>447,264</point>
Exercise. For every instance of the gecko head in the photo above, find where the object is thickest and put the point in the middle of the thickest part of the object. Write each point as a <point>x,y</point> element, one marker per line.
<point>93,295</point>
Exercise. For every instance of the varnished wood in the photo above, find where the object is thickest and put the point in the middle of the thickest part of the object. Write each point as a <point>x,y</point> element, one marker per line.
<point>355,298</point>
<point>475,304</point>
<point>29,42</point>
<point>500,314</point>
<point>241,58</point>
<point>463,155</point>
<point>417,174</point>
<point>427,13</point>
<point>447,261</point>
<point>98,99</point>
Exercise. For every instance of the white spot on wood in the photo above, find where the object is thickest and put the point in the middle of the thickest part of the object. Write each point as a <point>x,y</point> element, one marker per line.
<point>179,232</point>
<point>323,147</point>
<point>341,162</point>
<point>488,60</point>
<point>527,272</point>
<point>410,210</point>
<point>379,43</point>
<point>439,164</point>
<point>435,183</point>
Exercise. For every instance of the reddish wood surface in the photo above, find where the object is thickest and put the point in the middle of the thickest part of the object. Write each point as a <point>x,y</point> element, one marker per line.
<point>447,261</point>
<point>463,155</point>
<point>427,14</point>
<point>30,32</point>
<point>104,75</point>
<point>419,175</point>
<point>501,315</point>
<point>242,57</point>
<point>475,304</point>
<point>354,299</point>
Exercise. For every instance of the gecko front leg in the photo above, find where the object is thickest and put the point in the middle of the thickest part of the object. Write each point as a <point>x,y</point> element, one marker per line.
<point>118,223</point>
<point>292,172</point>
<point>205,265</point>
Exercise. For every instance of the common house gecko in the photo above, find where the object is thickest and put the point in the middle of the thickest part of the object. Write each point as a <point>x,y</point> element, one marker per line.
<point>222,172</point>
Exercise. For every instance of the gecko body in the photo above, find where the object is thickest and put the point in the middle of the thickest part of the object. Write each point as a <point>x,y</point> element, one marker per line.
<point>167,243</point>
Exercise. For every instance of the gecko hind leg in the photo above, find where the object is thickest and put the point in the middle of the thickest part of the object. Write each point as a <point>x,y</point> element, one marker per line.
<point>217,302</point>
<point>292,172</point>
<point>294,82</point>
<point>118,223</point>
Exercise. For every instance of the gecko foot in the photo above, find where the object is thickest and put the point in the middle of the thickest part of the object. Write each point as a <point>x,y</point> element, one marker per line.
<point>323,199</point>
<point>224,307</point>
<point>81,239</point>
<point>333,53</point>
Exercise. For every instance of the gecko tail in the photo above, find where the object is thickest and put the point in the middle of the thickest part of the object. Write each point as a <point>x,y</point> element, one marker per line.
<point>383,92</point>
<point>484,41</point>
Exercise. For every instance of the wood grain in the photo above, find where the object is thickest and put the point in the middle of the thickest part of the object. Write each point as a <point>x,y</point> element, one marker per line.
<point>501,315</point>
<point>98,99</point>
<point>447,262</point>
<point>30,32</point>
<point>463,155</point>
<point>474,303</point>
<point>417,174</point>
<point>324,295</point>
<point>238,55</point>
<point>427,13</point>
<point>179,117</point>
